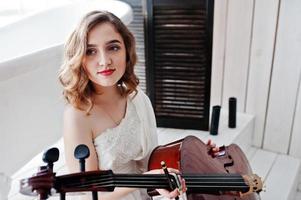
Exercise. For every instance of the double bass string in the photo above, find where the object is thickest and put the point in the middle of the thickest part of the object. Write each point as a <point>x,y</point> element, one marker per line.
<point>140,177</point>
<point>132,178</point>
<point>159,180</point>
<point>196,181</point>
<point>113,180</point>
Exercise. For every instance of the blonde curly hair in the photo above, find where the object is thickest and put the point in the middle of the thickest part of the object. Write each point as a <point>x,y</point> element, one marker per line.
<point>77,88</point>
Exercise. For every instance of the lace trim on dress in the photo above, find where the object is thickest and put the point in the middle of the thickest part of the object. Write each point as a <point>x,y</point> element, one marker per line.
<point>107,131</point>
<point>117,147</point>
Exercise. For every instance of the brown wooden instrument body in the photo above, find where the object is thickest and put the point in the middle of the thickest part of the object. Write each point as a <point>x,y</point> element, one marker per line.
<point>190,155</point>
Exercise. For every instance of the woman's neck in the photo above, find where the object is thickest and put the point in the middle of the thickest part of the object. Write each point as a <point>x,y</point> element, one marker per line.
<point>106,95</point>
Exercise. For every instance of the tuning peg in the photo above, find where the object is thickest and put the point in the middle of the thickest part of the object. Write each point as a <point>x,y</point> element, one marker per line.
<point>81,152</point>
<point>50,156</point>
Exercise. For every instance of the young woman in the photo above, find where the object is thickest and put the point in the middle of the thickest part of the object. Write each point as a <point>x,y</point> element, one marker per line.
<point>106,110</point>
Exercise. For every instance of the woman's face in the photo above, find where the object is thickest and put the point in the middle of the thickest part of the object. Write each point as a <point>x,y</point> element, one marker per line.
<point>105,58</point>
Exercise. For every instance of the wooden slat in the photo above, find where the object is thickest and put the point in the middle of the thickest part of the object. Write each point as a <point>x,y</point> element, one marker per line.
<point>178,31</point>
<point>185,65</point>
<point>281,180</point>
<point>194,52</point>
<point>180,36</point>
<point>176,95</point>
<point>183,42</point>
<point>237,51</point>
<point>181,112</point>
<point>174,59</point>
<point>279,173</point>
<point>178,109</point>
<point>179,56</point>
<point>180,20</point>
<point>188,27</point>
<point>250,153</point>
<point>262,49</point>
<point>182,100</point>
<point>295,149</point>
<point>180,116</point>
<point>285,79</point>
<point>183,91</point>
<point>177,16</point>
<point>186,85</point>
<point>198,68</point>
<point>193,106</point>
<point>262,163</point>
<point>182,76</point>
<point>218,51</point>
<point>161,11</point>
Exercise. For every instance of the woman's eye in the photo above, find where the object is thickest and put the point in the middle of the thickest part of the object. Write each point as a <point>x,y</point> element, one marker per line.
<point>91,52</point>
<point>114,48</point>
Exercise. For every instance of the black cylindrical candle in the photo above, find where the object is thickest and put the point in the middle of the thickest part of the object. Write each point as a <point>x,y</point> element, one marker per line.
<point>232,112</point>
<point>215,120</point>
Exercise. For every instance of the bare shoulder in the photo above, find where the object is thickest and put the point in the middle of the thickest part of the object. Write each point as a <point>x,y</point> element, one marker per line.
<point>76,121</point>
<point>74,113</point>
<point>77,130</point>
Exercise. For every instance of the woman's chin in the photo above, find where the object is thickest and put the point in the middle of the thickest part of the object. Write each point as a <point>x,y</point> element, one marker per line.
<point>105,84</point>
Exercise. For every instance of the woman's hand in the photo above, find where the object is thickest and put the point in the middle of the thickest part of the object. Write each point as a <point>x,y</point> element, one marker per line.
<point>174,193</point>
<point>213,150</point>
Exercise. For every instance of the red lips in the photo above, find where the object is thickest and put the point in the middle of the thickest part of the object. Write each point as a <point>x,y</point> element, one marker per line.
<point>106,72</point>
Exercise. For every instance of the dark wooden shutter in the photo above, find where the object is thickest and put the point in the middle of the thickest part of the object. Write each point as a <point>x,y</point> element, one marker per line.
<point>178,46</point>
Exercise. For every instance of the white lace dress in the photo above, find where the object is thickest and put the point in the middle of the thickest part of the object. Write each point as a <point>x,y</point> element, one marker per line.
<point>122,148</point>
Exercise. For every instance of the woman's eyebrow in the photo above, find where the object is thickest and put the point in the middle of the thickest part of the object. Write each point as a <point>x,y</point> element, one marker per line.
<point>91,45</point>
<point>109,42</point>
<point>113,41</point>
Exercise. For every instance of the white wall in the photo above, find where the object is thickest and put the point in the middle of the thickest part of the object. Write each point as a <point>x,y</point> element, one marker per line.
<point>257,58</point>
<point>30,108</point>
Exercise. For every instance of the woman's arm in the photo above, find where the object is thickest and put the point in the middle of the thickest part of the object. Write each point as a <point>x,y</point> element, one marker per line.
<point>77,130</point>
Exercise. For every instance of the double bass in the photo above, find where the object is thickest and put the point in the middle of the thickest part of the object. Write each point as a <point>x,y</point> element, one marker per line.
<point>226,176</point>
<point>191,156</point>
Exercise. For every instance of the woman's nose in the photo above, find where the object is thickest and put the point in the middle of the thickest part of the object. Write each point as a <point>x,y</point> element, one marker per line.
<point>104,60</point>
